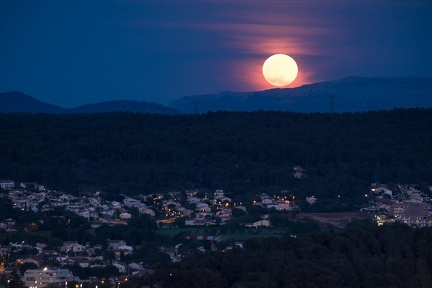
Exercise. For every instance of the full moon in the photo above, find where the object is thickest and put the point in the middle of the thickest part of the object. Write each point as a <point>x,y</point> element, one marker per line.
<point>280,70</point>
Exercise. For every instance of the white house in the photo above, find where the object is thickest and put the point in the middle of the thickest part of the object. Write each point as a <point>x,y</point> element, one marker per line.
<point>311,200</point>
<point>218,194</point>
<point>121,267</point>
<point>125,248</point>
<point>77,248</point>
<point>265,223</point>
<point>115,244</point>
<point>7,184</point>
<point>148,211</point>
<point>284,206</point>
<point>125,216</point>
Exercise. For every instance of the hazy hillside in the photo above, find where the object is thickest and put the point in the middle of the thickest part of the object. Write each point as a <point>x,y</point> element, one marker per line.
<point>352,94</point>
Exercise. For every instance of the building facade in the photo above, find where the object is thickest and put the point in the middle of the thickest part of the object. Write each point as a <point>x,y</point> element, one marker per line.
<point>43,277</point>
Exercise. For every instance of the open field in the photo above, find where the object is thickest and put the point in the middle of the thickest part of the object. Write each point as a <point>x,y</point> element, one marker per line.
<point>334,219</point>
<point>240,235</point>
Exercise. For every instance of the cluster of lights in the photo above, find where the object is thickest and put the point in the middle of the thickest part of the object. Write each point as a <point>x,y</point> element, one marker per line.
<point>171,212</point>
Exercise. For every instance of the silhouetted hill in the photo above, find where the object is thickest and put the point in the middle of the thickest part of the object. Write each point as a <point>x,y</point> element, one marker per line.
<point>19,102</point>
<point>125,106</point>
<point>351,94</point>
<point>11,102</point>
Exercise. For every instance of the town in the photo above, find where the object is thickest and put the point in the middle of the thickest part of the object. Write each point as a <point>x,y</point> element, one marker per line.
<point>39,264</point>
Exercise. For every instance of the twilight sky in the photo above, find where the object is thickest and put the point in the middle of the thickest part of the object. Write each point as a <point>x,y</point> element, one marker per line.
<point>72,53</point>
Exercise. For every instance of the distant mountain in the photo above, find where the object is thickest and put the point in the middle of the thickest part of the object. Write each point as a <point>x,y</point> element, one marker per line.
<point>351,94</point>
<point>125,106</point>
<point>19,102</point>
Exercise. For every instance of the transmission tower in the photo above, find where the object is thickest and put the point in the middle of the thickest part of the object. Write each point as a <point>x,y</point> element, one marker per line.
<point>332,102</point>
<point>195,108</point>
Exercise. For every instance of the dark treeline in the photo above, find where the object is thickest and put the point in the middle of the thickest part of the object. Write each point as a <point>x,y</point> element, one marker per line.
<point>389,256</point>
<point>236,151</point>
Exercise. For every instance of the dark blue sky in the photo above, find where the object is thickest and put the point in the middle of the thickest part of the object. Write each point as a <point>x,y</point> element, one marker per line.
<point>71,53</point>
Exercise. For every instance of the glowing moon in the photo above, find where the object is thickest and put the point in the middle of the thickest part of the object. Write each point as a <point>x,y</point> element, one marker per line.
<point>280,70</point>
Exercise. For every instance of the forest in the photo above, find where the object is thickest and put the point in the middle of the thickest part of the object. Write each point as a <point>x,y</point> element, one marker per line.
<point>241,152</point>
<point>362,255</point>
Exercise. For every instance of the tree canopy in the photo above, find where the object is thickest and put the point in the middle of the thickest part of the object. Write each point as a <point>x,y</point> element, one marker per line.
<point>364,256</point>
<point>241,152</point>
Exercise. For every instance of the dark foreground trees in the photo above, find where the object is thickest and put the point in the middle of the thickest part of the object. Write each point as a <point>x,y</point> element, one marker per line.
<point>368,256</point>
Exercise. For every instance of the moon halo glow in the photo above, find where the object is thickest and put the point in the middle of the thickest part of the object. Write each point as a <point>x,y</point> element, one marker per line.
<point>280,70</point>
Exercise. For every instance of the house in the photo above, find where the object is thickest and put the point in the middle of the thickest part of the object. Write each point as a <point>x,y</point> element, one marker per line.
<point>97,247</point>
<point>135,266</point>
<point>33,260</point>
<point>7,184</point>
<point>9,270</point>
<point>72,246</point>
<point>184,211</point>
<point>130,202</point>
<point>84,213</point>
<point>267,201</point>
<point>200,222</point>
<point>122,267</point>
<point>239,244</point>
<point>243,208</point>
<point>311,200</point>
<point>84,263</point>
<point>126,249</point>
<point>10,222</point>
<point>125,216</point>
<point>225,199</point>
<point>5,250</point>
<point>190,222</point>
<point>298,172</point>
<point>147,211</point>
<point>41,246</point>
<point>285,206</point>
<point>193,200</point>
<point>27,185</point>
<point>171,251</point>
<point>265,223</point>
<point>144,272</point>
<point>203,207</point>
<point>191,193</point>
<point>218,194</point>
<point>224,214</point>
<point>78,248</point>
<point>115,244</point>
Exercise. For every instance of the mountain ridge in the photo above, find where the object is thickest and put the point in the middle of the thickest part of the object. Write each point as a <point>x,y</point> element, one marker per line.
<point>18,102</point>
<point>349,94</point>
